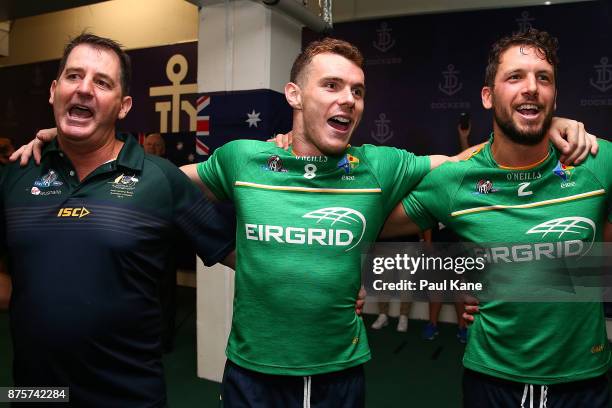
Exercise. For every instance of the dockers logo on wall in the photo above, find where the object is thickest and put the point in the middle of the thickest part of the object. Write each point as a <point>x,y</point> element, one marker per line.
<point>601,80</point>
<point>383,42</point>
<point>332,226</point>
<point>449,87</point>
<point>567,236</point>
<point>382,130</point>
<point>176,71</point>
<point>524,21</point>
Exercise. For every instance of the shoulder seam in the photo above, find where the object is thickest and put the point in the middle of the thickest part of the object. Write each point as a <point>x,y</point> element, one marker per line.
<point>459,185</point>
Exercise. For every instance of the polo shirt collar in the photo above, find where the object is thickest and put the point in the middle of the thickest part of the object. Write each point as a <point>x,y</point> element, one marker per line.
<point>131,155</point>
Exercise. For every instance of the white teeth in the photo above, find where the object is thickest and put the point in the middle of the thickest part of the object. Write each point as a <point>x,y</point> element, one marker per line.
<point>528,106</point>
<point>341,119</point>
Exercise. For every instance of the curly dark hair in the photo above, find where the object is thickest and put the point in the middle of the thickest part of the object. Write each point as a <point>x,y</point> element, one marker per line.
<point>101,42</point>
<point>326,45</point>
<point>545,45</point>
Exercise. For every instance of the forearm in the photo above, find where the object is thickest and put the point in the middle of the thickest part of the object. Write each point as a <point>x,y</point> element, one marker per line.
<point>6,288</point>
<point>191,171</point>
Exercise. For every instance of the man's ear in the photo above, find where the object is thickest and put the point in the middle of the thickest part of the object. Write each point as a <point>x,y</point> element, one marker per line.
<point>126,105</point>
<point>486,94</point>
<point>52,91</point>
<point>293,93</point>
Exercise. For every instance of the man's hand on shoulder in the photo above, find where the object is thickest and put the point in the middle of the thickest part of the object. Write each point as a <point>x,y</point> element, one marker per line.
<point>572,140</point>
<point>34,148</point>
<point>283,140</point>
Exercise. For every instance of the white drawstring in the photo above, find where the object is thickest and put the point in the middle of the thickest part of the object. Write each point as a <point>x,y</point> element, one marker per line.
<point>543,396</point>
<point>307,392</point>
<point>524,396</point>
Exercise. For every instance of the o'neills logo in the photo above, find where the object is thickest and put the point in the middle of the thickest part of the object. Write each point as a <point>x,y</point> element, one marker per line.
<point>334,226</point>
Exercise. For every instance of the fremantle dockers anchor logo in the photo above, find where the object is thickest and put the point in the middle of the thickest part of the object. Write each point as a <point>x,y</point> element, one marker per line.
<point>385,42</point>
<point>604,76</point>
<point>524,22</point>
<point>383,131</point>
<point>451,81</point>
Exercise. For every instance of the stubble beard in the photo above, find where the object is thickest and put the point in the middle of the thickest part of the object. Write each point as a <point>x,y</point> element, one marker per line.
<point>525,138</point>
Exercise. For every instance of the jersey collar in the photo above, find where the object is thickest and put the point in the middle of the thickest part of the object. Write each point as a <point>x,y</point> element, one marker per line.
<point>130,157</point>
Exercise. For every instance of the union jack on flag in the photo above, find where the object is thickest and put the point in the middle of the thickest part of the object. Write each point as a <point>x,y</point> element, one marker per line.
<point>203,126</point>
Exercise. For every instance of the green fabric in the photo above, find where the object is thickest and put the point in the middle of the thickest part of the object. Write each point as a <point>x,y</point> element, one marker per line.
<point>299,233</point>
<point>539,343</point>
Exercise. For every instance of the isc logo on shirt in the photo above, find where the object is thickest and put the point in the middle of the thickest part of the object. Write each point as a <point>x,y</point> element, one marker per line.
<point>75,212</point>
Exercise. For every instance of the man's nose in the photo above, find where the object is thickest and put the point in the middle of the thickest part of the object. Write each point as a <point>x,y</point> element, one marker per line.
<point>531,84</point>
<point>347,97</point>
<point>86,86</point>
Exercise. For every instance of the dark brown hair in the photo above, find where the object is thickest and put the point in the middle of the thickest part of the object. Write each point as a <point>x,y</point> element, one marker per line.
<point>543,43</point>
<point>326,45</point>
<point>101,42</point>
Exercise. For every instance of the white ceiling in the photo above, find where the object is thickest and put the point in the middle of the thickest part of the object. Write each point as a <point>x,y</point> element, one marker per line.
<point>350,10</point>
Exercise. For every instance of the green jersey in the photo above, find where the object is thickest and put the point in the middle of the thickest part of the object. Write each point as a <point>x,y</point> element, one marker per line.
<point>538,343</point>
<point>300,224</point>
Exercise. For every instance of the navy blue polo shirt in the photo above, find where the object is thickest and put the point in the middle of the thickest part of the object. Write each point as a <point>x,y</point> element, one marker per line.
<point>86,259</point>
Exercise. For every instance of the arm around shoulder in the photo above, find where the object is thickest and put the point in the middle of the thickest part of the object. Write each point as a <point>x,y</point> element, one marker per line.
<point>191,171</point>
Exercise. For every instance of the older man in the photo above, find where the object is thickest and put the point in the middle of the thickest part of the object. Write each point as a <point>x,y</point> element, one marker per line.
<point>88,237</point>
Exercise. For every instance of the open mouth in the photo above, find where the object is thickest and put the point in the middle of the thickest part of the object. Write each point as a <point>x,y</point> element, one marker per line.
<point>80,111</point>
<point>529,110</point>
<point>339,123</point>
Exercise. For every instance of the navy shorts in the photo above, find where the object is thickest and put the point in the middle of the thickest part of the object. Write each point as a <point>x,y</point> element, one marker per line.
<point>242,388</point>
<point>484,391</point>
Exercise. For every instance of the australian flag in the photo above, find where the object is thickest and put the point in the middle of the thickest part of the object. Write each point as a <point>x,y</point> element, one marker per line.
<point>225,116</point>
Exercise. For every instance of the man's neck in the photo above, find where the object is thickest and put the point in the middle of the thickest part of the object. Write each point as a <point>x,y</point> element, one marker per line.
<point>87,156</point>
<point>300,144</point>
<point>511,154</point>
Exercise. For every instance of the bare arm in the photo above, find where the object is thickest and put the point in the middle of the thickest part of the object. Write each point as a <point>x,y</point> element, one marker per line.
<point>191,170</point>
<point>399,224</point>
<point>6,287</point>
<point>438,159</point>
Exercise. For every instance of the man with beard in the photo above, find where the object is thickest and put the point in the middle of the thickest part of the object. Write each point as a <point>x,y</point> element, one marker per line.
<point>302,216</point>
<point>515,189</point>
<point>300,261</point>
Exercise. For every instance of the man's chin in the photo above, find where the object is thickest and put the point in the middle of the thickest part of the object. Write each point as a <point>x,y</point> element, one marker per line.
<point>74,132</point>
<point>334,150</point>
<point>528,137</point>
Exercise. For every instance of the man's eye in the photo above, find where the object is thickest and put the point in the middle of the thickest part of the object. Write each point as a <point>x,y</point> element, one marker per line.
<point>358,92</point>
<point>331,85</point>
<point>72,76</point>
<point>103,84</point>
